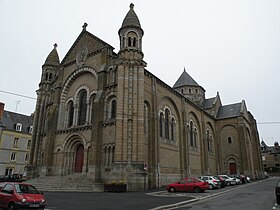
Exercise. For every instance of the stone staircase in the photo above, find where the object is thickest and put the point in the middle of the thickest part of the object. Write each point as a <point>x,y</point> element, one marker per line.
<point>70,183</point>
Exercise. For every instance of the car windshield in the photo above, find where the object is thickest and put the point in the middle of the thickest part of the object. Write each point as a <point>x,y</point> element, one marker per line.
<point>28,189</point>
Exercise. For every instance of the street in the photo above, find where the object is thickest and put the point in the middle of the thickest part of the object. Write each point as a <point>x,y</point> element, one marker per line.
<point>252,196</point>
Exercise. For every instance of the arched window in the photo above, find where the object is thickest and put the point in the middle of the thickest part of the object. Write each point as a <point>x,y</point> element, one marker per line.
<point>208,140</point>
<point>129,41</point>
<point>173,129</point>
<point>229,140</point>
<point>113,109</point>
<point>161,125</point>
<point>70,113</point>
<point>166,124</point>
<point>134,42</point>
<point>191,133</point>
<point>195,137</point>
<point>146,119</point>
<point>82,107</point>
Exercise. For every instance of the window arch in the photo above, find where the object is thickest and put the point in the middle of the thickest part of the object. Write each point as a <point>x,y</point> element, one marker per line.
<point>172,129</point>
<point>82,107</point>
<point>113,109</point>
<point>191,134</point>
<point>70,109</point>
<point>229,140</point>
<point>208,141</point>
<point>146,119</point>
<point>132,39</point>
<point>161,118</point>
<point>166,123</point>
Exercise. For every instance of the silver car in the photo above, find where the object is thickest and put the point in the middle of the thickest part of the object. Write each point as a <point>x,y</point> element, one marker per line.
<point>212,181</point>
<point>231,180</point>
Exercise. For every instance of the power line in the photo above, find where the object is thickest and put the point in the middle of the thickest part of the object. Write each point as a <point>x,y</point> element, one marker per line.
<point>15,94</point>
<point>268,123</point>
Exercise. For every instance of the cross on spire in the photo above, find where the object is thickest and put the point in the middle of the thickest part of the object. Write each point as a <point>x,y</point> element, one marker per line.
<point>85,26</point>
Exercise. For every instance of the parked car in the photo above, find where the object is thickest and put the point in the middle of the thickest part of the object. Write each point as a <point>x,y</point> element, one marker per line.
<point>15,195</point>
<point>237,178</point>
<point>229,180</point>
<point>223,181</point>
<point>212,181</point>
<point>188,184</point>
<point>11,178</point>
<point>277,192</point>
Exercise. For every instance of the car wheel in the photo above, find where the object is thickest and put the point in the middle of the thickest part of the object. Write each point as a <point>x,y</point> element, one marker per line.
<point>11,206</point>
<point>228,184</point>
<point>172,189</point>
<point>211,187</point>
<point>196,190</point>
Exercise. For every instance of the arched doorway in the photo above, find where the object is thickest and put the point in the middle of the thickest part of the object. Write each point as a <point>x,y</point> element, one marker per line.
<point>79,159</point>
<point>232,168</point>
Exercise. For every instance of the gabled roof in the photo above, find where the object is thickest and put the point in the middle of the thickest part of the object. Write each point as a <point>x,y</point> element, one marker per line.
<point>185,80</point>
<point>231,110</point>
<point>10,119</point>
<point>131,18</point>
<point>208,103</point>
<point>92,42</point>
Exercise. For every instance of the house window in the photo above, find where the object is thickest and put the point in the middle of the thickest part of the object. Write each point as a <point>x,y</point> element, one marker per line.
<point>28,144</point>
<point>16,142</point>
<point>13,156</point>
<point>190,91</point>
<point>26,157</point>
<point>30,129</point>
<point>18,126</point>
<point>229,140</point>
<point>9,171</point>
<point>182,91</point>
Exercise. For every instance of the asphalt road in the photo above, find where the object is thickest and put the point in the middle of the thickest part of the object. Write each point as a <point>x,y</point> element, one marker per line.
<point>254,196</point>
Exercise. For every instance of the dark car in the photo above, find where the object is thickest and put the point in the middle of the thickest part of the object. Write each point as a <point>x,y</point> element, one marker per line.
<point>16,195</point>
<point>277,192</point>
<point>188,184</point>
<point>11,178</point>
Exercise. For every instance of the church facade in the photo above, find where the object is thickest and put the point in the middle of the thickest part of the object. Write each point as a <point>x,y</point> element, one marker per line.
<point>104,115</point>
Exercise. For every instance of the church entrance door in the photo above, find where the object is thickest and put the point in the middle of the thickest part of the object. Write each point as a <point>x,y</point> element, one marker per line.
<point>79,159</point>
<point>232,168</point>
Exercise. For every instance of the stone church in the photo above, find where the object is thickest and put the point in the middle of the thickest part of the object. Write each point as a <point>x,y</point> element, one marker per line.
<point>103,115</point>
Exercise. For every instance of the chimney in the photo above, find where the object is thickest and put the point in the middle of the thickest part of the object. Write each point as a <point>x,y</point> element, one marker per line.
<point>2,105</point>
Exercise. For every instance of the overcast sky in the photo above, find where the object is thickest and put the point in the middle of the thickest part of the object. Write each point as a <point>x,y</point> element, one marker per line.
<point>229,46</point>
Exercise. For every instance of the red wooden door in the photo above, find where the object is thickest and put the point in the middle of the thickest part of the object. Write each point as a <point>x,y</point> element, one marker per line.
<point>232,168</point>
<point>79,159</point>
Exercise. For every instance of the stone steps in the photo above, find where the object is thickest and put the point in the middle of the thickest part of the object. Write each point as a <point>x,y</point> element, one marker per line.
<point>70,183</point>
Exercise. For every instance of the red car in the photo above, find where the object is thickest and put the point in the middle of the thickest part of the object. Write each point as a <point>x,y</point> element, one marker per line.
<point>15,195</point>
<point>189,184</point>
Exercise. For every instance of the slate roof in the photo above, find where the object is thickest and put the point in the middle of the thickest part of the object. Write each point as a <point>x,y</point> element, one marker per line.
<point>185,80</point>
<point>131,18</point>
<point>228,111</point>
<point>10,119</point>
<point>208,103</point>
